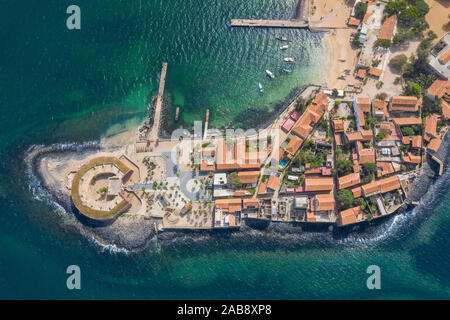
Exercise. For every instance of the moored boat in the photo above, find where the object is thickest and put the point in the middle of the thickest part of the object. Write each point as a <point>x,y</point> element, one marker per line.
<point>284,47</point>
<point>270,74</point>
<point>261,89</point>
<point>282,38</point>
<point>290,60</point>
<point>287,70</point>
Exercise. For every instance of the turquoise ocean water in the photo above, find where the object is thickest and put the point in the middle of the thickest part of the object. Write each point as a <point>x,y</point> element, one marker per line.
<point>59,86</point>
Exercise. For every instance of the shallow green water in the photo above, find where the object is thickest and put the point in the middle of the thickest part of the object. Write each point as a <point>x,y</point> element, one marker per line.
<point>73,86</point>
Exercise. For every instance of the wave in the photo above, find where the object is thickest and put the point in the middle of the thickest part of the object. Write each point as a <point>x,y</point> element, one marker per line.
<point>394,228</point>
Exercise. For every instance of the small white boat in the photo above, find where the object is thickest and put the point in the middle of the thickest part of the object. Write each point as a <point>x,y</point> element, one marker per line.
<point>283,38</point>
<point>290,60</point>
<point>284,47</point>
<point>261,89</point>
<point>270,74</point>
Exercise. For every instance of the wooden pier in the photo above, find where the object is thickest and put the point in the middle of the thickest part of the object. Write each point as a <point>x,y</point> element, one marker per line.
<point>159,102</point>
<point>206,124</point>
<point>269,23</point>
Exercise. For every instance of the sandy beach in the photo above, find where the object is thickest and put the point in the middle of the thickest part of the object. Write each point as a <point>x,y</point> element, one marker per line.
<point>438,22</point>
<point>333,14</point>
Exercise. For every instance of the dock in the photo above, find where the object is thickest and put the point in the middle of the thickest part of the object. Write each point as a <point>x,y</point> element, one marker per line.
<point>269,23</point>
<point>206,124</point>
<point>159,102</point>
<point>177,113</point>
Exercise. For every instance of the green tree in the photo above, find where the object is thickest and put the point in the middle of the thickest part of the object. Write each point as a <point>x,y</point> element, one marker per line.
<point>369,168</point>
<point>408,16</point>
<point>355,40</point>
<point>407,131</point>
<point>344,166</point>
<point>429,106</point>
<point>360,9</point>
<point>413,89</point>
<point>395,7</point>
<point>345,198</point>
<point>398,62</point>
<point>384,43</point>
<point>381,96</point>
<point>335,92</point>
<point>422,7</point>
<point>235,181</point>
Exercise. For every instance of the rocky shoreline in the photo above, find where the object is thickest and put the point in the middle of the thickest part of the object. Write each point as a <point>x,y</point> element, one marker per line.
<point>127,232</point>
<point>134,233</point>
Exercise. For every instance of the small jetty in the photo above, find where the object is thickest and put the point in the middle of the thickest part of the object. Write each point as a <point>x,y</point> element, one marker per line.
<point>269,23</point>
<point>177,113</point>
<point>206,124</point>
<point>159,102</point>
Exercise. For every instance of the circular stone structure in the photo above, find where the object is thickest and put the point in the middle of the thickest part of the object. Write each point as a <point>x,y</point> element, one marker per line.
<point>192,187</point>
<point>97,189</point>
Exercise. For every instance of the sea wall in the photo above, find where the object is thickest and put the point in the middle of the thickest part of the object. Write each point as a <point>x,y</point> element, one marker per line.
<point>429,171</point>
<point>129,232</point>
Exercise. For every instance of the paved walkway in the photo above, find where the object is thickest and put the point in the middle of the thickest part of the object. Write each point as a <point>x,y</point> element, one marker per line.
<point>159,103</point>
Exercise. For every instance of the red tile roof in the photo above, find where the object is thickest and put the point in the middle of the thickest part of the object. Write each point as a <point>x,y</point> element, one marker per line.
<point>416,141</point>
<point>229,205</point>
<point>338,125</point>
<point>273,183</point>
<point>363,104</point>
<point>430,127</point>
<point>381,109</point>
<point>445,57</point>
<point>248,176</point>
<point>338,139</point>
<point>405,103</point>
<point>434,144</point>
<point>445,109</point>
<point>384,168</point>
<point>310,217</point>
<point>354,21</point>
<point>253,202</point>
<point>357,192</point>
<point>361,73</point>
<point>439,88</point>
<point>381,186</point>
<point>410,158</point>
<point>408,121</point>
<point>366,155</point>
<point>262,188</point>
<point>323,202</point>
<point>349,216</point>
<point>318,184</point>
<point>387,29</point>
<point>294,144</point>
<point>349,180</point>
<point>287,124</point>
<point>375,72</point>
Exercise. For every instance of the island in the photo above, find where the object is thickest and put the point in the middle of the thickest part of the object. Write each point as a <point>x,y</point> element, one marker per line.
<point>339,157</point>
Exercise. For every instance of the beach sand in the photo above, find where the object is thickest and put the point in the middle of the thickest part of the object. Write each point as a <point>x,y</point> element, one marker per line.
<point>437,17</point>
<point>334,14</point>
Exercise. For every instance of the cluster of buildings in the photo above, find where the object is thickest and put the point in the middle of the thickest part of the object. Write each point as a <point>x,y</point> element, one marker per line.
<point>373,27</point>
<point>390,134</point>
